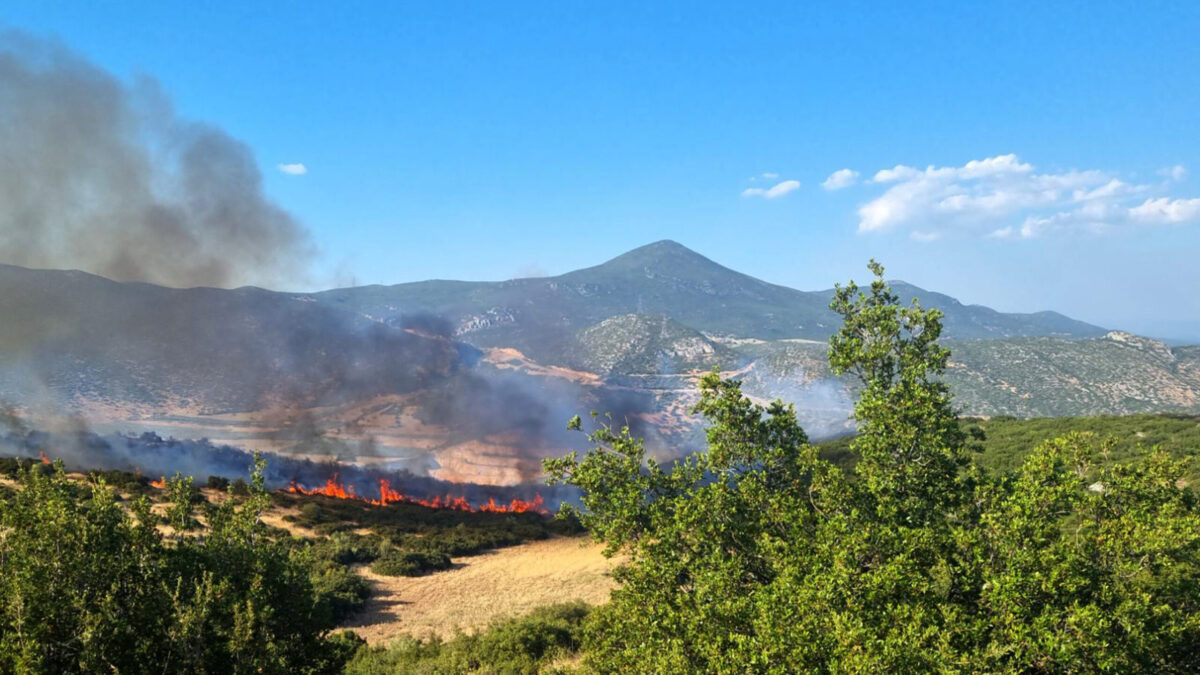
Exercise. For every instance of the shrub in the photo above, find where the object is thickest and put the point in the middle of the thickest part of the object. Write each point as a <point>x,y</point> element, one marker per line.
<point>340,591</point>
<point>348,548</point>
<point>239,488</point>
<point>89,586</point>
<point>396,563</point>
<point>521,645</point>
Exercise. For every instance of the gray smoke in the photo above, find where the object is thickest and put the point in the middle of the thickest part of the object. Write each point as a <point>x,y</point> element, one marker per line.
<point>154,455</point>
<point>103,176</point>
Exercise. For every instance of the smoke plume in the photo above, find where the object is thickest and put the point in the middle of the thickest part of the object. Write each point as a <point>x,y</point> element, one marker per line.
<point>99,175</point>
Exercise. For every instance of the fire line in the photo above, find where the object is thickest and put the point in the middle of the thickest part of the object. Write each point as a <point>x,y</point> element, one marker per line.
<point>334,488</point>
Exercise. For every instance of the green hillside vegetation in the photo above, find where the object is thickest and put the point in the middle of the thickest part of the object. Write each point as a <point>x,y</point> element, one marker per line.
<point>1006,440</point>
<point>760,555</point>
<point>1117,374</point>
<point>1041,376</point>
<point>111,574</point>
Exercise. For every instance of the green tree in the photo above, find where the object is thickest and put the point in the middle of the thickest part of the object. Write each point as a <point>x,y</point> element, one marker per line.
<point>757,555</point>
<point>89,586</point>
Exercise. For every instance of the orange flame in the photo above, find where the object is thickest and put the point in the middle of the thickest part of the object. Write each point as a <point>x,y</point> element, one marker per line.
<point>45,459</point>
<point>161,483</point>
<point>334,488</point>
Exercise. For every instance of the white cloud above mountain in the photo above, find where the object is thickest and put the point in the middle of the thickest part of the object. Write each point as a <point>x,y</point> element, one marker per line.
<point>1004,197</point>
<point>842,178</point>
<point>778,190</point>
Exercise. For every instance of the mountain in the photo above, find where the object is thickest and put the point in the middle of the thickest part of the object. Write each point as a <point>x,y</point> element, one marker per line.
<point>474,380</point>
<point>541,317</point>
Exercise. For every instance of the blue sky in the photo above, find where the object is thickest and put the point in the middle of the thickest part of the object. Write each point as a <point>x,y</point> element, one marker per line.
<point>492,140</point>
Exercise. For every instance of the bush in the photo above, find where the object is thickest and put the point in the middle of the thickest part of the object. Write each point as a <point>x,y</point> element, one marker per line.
<point>397,563</point>
<point>521,645</point>
<point>340,591</point>
<point>89,586</point>
<point>349,548</point>
<point>217,483</point>
<point>239,488</point>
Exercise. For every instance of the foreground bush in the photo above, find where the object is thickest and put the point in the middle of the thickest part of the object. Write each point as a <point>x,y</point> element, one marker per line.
<point>398,563</point>
<point>760,556</point>
<point>523,645</point>
<point>87,586</point>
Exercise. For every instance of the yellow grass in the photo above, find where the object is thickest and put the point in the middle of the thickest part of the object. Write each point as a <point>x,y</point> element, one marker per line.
<point>506,582</point>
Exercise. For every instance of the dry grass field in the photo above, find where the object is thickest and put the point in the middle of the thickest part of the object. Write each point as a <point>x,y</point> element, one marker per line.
<point>506,582</point>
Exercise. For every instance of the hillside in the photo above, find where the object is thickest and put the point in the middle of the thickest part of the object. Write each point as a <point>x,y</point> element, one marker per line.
<point>1008,441</point>
<point>636,343</point>
<point>1038,376</point>
<point>205,350</point>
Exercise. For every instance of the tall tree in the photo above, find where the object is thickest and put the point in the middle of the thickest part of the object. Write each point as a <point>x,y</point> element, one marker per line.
<point>758,555</point>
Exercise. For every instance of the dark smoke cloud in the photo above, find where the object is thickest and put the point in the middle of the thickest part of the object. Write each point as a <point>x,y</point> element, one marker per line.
<point>102,176</point>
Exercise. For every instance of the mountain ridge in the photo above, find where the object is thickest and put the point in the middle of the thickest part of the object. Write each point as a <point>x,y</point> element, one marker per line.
<point>473,380</point>
<point>541,315</point>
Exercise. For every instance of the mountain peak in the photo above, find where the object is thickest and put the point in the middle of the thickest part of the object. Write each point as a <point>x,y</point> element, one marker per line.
<point>658,249</point>
<point>663,254</point>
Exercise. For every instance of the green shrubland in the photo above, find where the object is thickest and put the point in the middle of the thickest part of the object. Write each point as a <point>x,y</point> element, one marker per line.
<point>87,585</point>
<point>763,555</point>
<point>1003,443</point>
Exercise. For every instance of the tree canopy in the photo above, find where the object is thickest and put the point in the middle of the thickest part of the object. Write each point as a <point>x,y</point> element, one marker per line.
<point>758,555</point>
<point>88,585</point>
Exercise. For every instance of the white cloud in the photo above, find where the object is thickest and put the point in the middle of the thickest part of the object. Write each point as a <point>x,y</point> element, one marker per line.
<point>1003,197</point>
<point>296,169</point>
<point>1176,173</point>
<point>778,190</point>
<point>1164,210</point>
<point>839,179</point>
<point>766,175</point>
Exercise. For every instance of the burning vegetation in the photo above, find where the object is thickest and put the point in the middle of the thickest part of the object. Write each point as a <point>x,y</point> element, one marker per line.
<point>334,488</point>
